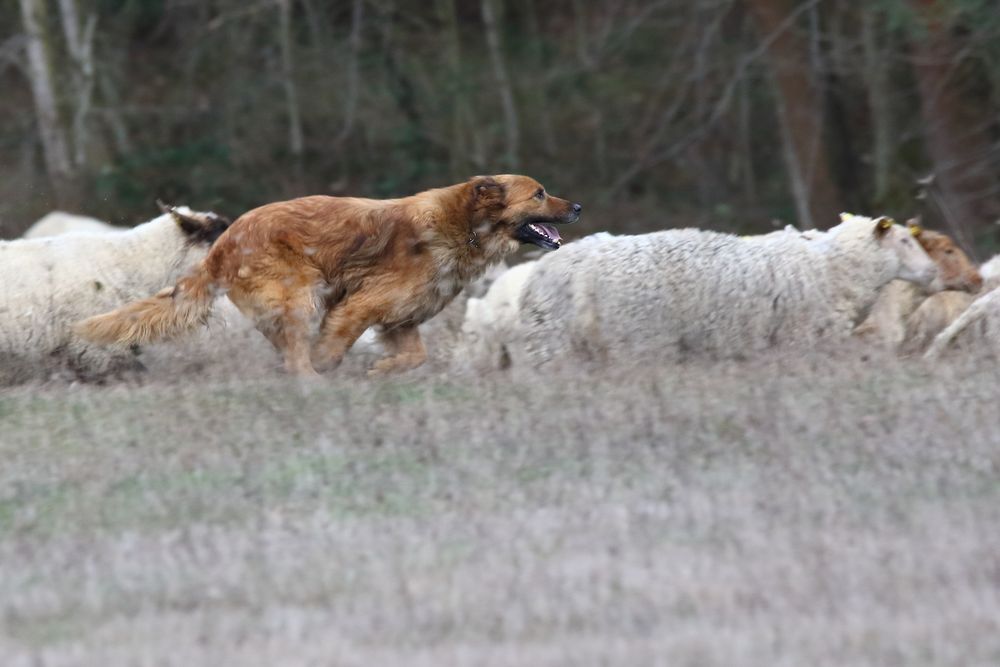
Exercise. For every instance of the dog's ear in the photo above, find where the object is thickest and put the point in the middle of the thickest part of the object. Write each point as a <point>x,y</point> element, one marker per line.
<point>488,191</point>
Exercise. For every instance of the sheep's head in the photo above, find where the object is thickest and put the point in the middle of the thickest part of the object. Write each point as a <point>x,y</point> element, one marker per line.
<point>955,270</point>
<point>200,227</point>
<point>912,261</point>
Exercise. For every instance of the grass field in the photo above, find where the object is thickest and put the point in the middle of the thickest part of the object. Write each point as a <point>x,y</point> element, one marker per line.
<point>786,511</point>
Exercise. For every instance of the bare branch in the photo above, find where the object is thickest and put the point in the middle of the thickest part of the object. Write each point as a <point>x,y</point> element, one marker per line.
<point>506,92</point>
<point>295,139</point>
<point>354,50</point>
<point>12,53</point>
<point>43,88</point>
<point>721,106</point>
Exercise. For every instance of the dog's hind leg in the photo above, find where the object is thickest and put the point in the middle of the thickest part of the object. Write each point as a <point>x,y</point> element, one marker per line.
<point>289,332</point>
<point>406,350</point>
<point>295,331</point>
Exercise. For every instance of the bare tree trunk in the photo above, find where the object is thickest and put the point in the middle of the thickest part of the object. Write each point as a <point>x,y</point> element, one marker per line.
<point>112,115</point>
<point>458,152</point>
<point>877,80</point>
<point>957,130</point>
<point>800,110</point>
<point>295,141</point>
<point>318,34</point>
<point>512,129</point>
<point>544,111</point>
<point>745,154</point>
<point>80,44</point>
<point>50,128</point>
<point>580,33</point>
<point>354,50</point>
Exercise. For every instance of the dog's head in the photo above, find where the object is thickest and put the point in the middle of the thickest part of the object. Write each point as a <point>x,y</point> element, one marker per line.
<point>519,207</point>
<point>200,227</point>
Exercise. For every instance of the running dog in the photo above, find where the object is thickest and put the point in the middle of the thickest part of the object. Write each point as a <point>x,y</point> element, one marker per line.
<point>346,264</point>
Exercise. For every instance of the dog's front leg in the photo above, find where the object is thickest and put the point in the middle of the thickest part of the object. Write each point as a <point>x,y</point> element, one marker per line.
<point>405,350</point>
<point>341,327</point>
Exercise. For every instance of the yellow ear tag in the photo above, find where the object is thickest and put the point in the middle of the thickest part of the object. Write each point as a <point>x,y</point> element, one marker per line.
<point>844,217</point>
<point>885,223</point>
<point>916,230</point>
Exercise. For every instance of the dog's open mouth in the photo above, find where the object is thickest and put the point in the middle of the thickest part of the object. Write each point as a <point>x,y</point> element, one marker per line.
<point>541,234</point>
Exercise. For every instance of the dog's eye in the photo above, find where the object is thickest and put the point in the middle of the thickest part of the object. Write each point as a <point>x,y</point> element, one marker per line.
<point>540,194</point>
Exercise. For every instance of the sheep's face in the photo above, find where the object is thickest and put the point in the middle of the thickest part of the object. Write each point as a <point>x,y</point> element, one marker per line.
<point>912,262</point>
<point>955,270</point>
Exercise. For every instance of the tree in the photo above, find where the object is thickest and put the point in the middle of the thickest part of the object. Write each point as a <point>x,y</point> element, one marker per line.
<point>41,72</point>
<point>295,140</point>
<point>963,185</point>
<point>800,111</point>
<point>512,130</point>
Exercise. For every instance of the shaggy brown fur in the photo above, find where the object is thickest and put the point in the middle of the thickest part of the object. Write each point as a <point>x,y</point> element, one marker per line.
<point>351,263</point>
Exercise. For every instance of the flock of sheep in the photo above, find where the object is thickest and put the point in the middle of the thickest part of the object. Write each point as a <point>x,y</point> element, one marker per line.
<point>668,294</point>
<point>687,292</point>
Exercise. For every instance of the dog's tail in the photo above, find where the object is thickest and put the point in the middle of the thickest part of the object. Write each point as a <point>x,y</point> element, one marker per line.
<point>167,314</point>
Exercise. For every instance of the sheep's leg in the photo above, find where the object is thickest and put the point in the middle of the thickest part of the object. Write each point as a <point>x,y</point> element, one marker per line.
<point>406,350</point>
<point>972,313</point>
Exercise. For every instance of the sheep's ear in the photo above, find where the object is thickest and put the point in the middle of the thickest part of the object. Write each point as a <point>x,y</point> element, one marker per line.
<point>882,226</point>
<point>199,228</point>
<point>188,224</point>
<point>488,190</point>
<point>844,217</point>
<point>210,226</point>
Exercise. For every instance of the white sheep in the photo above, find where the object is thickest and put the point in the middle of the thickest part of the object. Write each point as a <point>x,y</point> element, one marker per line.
<point>990,271</point>
<point>50,283</point>
<point>491,321</point>
<point>692,291</point>
<point>489,331</point>
<point>58,223</point>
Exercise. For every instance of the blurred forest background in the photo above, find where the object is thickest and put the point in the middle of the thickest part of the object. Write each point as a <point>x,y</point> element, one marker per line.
<point>729,114</point>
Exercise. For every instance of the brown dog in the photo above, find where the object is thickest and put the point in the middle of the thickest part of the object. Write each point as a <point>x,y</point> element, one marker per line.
<point>350,264</point>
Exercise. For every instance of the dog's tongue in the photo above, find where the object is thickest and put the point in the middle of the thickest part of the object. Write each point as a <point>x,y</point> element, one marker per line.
<point>550,231</point>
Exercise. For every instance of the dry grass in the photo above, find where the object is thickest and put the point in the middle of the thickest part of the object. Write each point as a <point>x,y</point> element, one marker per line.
<point>784,511</point>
